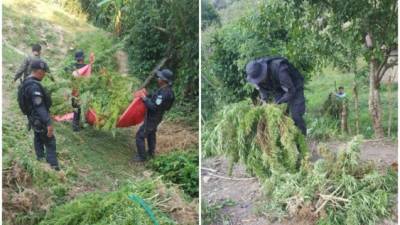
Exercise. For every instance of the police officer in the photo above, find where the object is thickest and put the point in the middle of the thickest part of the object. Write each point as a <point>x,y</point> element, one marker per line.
<point>79,63</point>
<point>157,104</point>
<point>38,103</point>
<point>276,77</point>
<point>24,69</point>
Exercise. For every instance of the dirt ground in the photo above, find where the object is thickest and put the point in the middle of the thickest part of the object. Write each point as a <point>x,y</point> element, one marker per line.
<point>244,192</point>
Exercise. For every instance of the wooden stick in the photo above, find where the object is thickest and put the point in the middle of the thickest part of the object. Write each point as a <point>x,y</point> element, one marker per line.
<point>209,169</point>
<point>231,178</point>
<point>153,72</point>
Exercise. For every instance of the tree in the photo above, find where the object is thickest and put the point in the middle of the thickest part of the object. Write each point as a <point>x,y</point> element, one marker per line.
<point>371,25</point>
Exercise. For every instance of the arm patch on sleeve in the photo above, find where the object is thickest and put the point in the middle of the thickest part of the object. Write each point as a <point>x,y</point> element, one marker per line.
<point>37,100</point>
<point>159,100</point>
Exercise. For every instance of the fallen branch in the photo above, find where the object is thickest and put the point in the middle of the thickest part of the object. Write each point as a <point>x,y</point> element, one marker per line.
<point>210,170</point>
<point>232,178</point>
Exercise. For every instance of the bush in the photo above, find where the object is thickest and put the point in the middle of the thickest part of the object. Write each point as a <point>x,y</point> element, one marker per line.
<point>179,167</point>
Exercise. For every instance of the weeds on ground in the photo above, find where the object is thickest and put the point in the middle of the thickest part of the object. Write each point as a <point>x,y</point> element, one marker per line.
<point>179,167</point>
<point>210,213</point>
<point>111,208</point>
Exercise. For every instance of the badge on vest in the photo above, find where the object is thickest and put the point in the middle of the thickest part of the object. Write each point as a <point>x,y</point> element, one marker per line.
<point>159,100</point>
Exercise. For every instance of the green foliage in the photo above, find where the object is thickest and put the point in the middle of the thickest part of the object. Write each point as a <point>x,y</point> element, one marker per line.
<point>269,30</point>
<point>108,94</point>
<point>208,14</point>
<point>261,137</point>
<point>101,43</point>
<point>152,30</point>
<point>210,213</point>
<point>339,189</point>
<point>110,208</point>
<point>179,167</point>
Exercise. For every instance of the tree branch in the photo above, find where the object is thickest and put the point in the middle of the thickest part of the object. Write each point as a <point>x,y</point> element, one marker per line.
<point>153,72</point>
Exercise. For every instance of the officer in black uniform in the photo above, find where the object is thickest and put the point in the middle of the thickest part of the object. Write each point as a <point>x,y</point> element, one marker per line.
<point>38,103</point>
<point>157,104</point>
<point>79,63</point>
<point>275,76</point>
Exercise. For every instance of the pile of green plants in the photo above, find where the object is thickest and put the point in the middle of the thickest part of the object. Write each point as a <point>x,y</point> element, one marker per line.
<point>333,106</point>
<point>262,137</point>
<point>336,189</point>
<point>107,93</point>
<point>111,208</point>
<point>61,103</point>
<point>179,167</point>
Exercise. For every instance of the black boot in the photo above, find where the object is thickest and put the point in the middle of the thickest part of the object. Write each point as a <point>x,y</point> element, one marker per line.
<point>138,159</point>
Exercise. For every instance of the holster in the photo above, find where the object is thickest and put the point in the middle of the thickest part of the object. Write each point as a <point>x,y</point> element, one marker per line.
<point>37,125</point>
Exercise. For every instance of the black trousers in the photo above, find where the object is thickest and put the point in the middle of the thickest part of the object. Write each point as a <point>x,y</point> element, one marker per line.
<point>76,119</point>
<point>41,141</point>
<point>146,132</point>
<point>297,108</point>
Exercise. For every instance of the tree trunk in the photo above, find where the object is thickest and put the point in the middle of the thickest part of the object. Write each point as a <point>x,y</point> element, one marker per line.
<point>343,116</point>
<point>356,108</point>
<point>390,105</point>
<point>374,101</point>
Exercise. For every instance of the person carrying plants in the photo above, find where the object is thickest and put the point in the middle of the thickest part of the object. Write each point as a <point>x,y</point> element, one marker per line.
<point>276,77</point>
<point>157,104</point>
<point>79,64</point>
<point>24,69</point>
<point>35,103</point>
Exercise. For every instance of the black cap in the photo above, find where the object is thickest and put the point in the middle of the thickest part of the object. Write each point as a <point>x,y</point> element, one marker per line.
<point>79,55</point>
<point>38,64</point>
<point>166,75</point>
<point>36,48</point>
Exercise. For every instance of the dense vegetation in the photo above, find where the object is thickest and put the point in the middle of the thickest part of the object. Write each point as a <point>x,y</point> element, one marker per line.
<point>181,168</point>
<point>313,39</point>
<point>153,30</point>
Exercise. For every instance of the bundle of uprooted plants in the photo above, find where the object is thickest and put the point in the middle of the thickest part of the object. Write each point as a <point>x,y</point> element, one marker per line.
<point>262,137</point>
<point>107,93</point>
<point>336,189</point>
<point>114,207</point>
<point>333,106</point>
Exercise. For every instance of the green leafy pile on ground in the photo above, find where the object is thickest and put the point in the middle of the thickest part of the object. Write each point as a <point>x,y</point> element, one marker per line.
<point>111,208</point>
<point>336,189</point>
<point>179,167</point>
<point>262,137</point>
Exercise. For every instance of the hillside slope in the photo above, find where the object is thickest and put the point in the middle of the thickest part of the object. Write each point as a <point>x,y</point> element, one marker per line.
<point>91,161</point>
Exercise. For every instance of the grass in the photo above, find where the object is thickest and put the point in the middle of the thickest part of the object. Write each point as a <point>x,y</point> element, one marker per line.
<point>210,213</point>
<point>318,89</point>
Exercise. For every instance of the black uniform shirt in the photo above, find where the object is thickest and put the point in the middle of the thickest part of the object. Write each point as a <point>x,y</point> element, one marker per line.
<point>39,101</point>
<point>159,102</point>
<point>279,83</point>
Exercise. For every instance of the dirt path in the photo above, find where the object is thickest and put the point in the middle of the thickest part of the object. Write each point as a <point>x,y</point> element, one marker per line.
<point>244,195</point>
